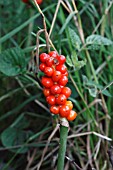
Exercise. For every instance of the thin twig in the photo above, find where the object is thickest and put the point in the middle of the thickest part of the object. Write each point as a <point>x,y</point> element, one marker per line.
<point>91,156</point>
<point>48,40</point>
<point>88,147</point>
<point>92,104</point>
<point>90,133</point>
<point>104,15</point>
<point>107,86</point>
<point>98,148</point>
<point>30,159</point>
<point>65,6</point>
<point>101,67</point>
<point>54,150</point>
<point>28,94</point>
<point>72,161</point>
<point>45,149</point>
<point>54,18</point>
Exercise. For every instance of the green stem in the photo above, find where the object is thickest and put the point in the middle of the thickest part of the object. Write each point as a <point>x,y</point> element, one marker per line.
<point>62,147</point>
<point>30,29</point>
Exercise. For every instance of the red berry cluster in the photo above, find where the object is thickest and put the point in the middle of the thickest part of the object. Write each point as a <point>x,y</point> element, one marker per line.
<point>54,82</point>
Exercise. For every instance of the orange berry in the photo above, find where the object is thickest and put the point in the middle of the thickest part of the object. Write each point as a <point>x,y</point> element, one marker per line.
<point>72,115</point>
<point>70,104</point>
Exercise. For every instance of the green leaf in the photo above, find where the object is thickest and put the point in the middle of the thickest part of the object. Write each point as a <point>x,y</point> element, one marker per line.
<point>93,47</point>
<point>78,64</point>
<point>92,91</point>
<point>85,79</point>
<point>17,108</point>
<point>90,86</point>
<point>13,62</point>
<point>106,93</point>
<point>75,40</point>
<point>21,122</point>
<point>73,61</point>
<point>11,137</point>
<point>69,61</point>
<point>98,40</point>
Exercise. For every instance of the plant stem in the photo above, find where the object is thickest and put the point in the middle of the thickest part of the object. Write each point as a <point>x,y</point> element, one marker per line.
<point>62,147</point>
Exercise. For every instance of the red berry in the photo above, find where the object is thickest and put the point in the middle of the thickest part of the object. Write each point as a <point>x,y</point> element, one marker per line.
<point>46,92</point>
<point>54,109</point>
<point>51,100</point>
<point>64,111</point>
<point>72,115</point>
<point>39,1</point>
<point>42,66</point>
<point>61,59</point>
<point>66,91</point>
<point>61,87</point>
<point>47,82</point>
<point>69,104</point>
<point>63,81</point>
<point>55,89</point>
<point>53,54</point>
<point>65,74</point>
<point>62,68</point>
<point>49,62</point>
<point>56,75</point>
<point>44,57</point>
<point>48,71</point>
<point>25,1</point>
<point>61,99</point>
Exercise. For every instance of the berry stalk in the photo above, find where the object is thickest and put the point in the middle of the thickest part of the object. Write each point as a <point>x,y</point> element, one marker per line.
<point>62,147</point>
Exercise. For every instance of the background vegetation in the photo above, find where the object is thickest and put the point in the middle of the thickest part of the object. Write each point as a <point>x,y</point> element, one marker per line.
<point>29,135</point>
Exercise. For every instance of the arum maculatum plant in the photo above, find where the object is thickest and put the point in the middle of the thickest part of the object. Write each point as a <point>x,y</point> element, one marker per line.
<point>54,80</point>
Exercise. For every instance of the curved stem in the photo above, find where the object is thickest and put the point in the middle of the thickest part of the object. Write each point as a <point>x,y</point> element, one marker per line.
<point>44,24</point>
<point>62,147</point>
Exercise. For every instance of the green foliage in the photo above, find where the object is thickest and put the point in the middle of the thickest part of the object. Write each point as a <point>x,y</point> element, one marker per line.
<point>15,135</point>
<point>75,39</point>
<point>13,62</point>
<point>90,86</point>
<point>95,41</point>
<point>98,39</point>
<point>12,137</point>
<point>73,61</point>
<point>94,88</point>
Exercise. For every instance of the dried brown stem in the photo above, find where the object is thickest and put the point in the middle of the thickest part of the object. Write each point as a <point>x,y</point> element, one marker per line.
<point>44,24</point>
<point>30,159</point>
<point>37,47</point>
